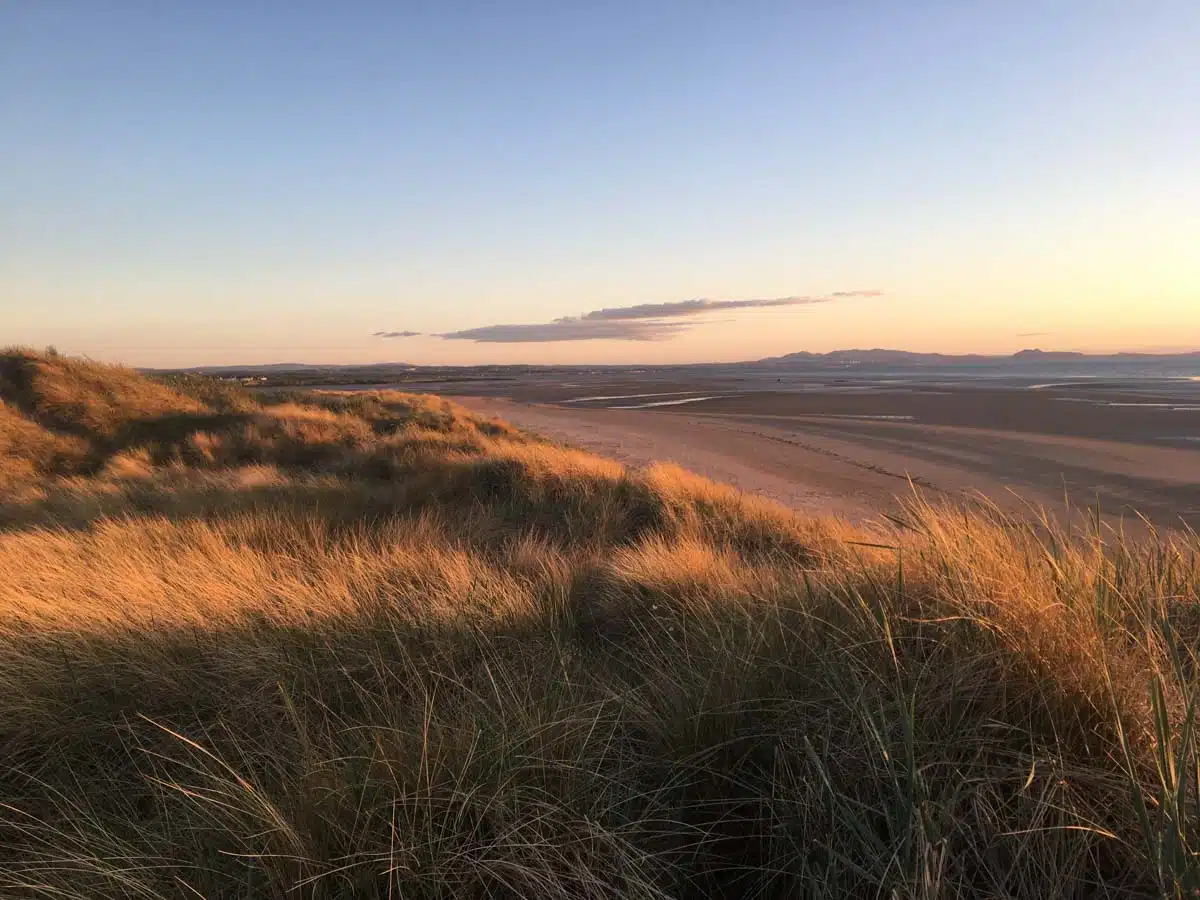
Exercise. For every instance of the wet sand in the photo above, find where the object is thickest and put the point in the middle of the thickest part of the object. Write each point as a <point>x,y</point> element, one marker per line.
<point>852,449</point>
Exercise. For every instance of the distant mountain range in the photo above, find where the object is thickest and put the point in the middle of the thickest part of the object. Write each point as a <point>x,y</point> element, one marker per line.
<point>878,357</point>
<point>837,358</point>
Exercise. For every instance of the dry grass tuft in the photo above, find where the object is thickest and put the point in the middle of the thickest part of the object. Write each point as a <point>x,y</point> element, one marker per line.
<point>367,645</point>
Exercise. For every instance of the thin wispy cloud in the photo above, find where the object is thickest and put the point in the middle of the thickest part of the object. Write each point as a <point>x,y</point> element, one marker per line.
<point>570,330</point>
<point>640,322</point>
<point>1024,334</point>
<point>697,307</point>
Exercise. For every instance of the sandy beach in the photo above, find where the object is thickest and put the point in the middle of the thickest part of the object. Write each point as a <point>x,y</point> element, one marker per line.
<point>853,453</point>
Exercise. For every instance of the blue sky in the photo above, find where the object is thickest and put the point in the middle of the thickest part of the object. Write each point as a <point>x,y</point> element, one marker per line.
<point>220,182</point>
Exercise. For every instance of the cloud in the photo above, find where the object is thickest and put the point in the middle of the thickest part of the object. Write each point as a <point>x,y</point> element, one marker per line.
<point>695,307</point>
<point>1034,333</point>
<point>642,322</point>
<point>569,330</point>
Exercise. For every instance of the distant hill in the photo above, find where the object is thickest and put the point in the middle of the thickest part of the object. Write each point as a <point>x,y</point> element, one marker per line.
<point>1048,356</point>
<point>879,356</point>
<point>295,372</point>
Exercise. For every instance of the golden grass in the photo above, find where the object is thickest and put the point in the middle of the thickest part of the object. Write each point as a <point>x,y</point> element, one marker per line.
<point>368,645</point>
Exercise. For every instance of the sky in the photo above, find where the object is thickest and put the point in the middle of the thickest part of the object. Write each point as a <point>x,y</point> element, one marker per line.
<point>628,181</point>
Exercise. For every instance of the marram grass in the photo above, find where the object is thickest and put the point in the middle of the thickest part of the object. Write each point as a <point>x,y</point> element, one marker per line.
<point>367,645</point>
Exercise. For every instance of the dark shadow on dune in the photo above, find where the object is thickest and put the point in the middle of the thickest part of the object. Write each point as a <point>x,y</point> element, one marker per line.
<point>497,497</point>
<point>568,514</point>
<point>163,435</point>
<point>705,818</point>
<point>166,438</point>
<point>326,721</point>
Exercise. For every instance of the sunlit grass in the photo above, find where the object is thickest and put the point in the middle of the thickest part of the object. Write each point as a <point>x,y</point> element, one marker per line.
<point>369,645</point>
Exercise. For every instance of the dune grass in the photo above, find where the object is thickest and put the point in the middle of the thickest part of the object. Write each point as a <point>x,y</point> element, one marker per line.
<point>367,645</point>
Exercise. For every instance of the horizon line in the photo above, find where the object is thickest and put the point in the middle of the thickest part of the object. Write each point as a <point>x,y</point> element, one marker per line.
<point>1081,354</point>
